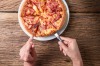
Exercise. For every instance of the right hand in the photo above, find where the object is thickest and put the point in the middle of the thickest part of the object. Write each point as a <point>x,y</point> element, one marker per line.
<point>69,47</point>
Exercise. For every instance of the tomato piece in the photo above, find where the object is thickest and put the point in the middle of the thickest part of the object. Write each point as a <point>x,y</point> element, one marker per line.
<point>59,9</point>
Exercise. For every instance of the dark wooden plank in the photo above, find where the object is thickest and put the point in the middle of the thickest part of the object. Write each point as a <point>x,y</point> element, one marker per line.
<point>74,5</point>
<point>84,27</point>
<point>84,5</point>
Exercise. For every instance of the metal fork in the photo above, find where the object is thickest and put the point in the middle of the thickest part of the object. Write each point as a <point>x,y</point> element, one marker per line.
<point>58,37</point>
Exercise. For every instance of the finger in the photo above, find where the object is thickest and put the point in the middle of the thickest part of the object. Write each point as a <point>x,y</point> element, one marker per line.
<point>29,40</point>
<point>66,43</point>
<point>22,56</point>
<point>29,46</point>
<point>60,48</point>
<point>65,38</point>
<point>33,52</point>
<point>63,46</point>
<point>21,52</point>
<point>64,53</point>
<point>30,57</point>
<point>28,43</point>
<point>27,57</point>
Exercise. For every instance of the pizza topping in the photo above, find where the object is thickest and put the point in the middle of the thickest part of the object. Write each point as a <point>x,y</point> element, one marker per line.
<point>45,15</point>
<point>34,2</point>
<point>36,20</point>
<point>35,25</point>
<point>58,16</point>
<point>28,19</point>
<point>36,9</point>
<point>26,24</point>
<point>40,8</point>
<point>35,28</point>
<point>59,9</point>
<point>29,5</point>
<point>28,12</point>
<point>52,6</point>
<point>30,26</point>
<point>28,1</point>
<point>43,27</point>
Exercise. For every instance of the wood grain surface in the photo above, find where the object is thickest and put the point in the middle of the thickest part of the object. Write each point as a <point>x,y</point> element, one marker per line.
<point>74,5</point>
<point>84,25</point>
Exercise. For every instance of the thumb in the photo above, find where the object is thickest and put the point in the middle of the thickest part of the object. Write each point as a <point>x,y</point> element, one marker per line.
<point>29,46</point>
<point>33,50</point>
<point>29,40</point>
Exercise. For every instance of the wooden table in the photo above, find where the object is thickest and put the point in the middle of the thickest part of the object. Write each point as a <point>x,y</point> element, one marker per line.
<point>84,25</point>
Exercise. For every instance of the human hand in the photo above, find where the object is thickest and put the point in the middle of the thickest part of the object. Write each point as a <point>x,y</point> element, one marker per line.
<point>27,53</point>
<point>69,47</point>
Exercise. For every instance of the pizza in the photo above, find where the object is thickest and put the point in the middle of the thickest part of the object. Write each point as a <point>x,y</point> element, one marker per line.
<point>43,17</point>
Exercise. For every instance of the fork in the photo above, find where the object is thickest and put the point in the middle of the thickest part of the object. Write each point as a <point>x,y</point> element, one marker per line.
<point>58,37</point>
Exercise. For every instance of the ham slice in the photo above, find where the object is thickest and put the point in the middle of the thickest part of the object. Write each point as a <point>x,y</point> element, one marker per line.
<point>52,6</point>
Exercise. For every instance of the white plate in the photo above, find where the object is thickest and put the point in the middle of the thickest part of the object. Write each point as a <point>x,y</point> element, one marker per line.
<point>48,37</point>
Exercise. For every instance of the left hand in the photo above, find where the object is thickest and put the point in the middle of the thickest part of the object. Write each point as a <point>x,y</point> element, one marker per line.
<point>27,52</point>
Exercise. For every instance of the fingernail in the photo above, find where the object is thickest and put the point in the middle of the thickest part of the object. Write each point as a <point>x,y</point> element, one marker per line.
<point>31,42</point>
<point>33,46</point>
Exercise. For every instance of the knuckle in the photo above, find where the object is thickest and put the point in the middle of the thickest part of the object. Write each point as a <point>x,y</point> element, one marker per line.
<point>73,40</point>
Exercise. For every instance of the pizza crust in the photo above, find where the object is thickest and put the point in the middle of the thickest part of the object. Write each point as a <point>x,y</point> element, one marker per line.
<point>50,31</point>
<point>64,16</point>
<point>20,13</point>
